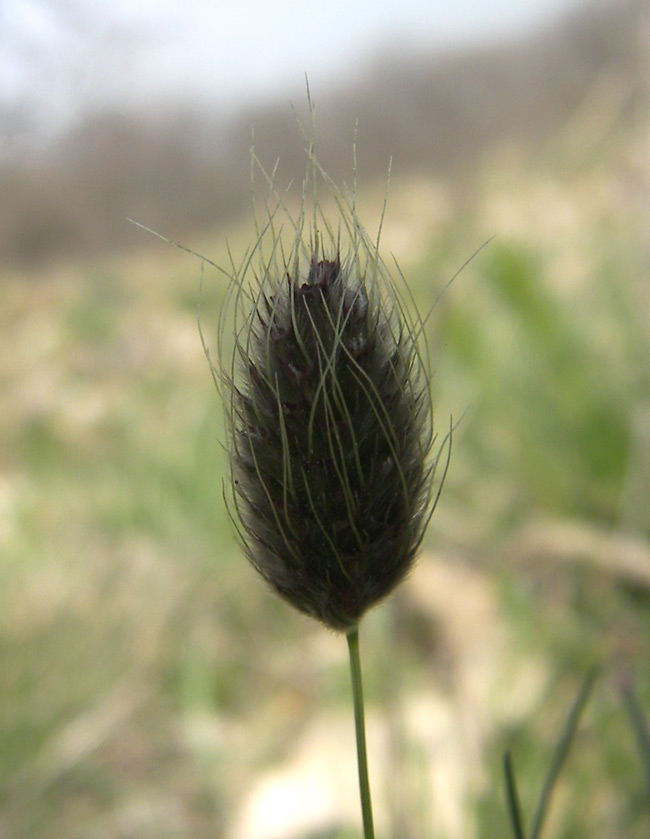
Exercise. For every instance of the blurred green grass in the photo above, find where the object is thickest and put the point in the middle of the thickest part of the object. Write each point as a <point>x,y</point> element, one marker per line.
<point>146,676</point>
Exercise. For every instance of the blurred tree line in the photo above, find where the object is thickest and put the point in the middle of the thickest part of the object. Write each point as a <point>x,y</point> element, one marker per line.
<point>181,171</point>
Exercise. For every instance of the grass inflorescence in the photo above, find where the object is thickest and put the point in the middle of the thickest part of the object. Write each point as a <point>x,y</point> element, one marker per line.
<point>329,412</point>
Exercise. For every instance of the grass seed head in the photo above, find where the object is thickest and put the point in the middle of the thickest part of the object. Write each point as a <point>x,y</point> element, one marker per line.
<point>330,423</point>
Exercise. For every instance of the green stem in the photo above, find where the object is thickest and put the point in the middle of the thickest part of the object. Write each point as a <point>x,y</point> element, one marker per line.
<point>360,727</point>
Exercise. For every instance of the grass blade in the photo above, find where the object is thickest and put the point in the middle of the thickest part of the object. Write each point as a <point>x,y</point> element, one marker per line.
<point>512,798</point>
<point>561,753</point>
<point>640,729</point>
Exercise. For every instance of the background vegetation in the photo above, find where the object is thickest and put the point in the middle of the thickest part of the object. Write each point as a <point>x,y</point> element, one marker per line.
<point>149,685</point>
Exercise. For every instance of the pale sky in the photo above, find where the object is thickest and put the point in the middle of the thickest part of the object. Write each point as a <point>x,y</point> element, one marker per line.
<point>60,55</point>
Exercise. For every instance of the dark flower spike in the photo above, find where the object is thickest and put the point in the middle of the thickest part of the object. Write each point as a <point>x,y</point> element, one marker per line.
<point>329,414</point>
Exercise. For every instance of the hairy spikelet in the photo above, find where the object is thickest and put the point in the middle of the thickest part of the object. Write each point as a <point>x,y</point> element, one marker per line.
<point>330,425</point>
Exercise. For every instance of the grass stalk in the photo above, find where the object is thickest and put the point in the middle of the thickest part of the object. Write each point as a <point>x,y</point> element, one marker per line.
<point>360,728</point>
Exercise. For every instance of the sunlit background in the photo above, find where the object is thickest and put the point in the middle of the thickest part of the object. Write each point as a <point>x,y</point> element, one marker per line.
<point>149,685</point>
